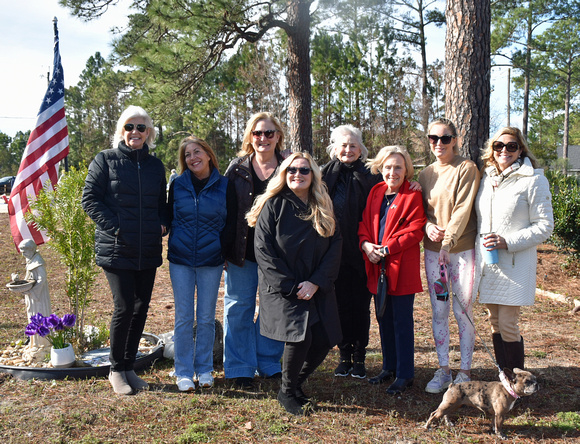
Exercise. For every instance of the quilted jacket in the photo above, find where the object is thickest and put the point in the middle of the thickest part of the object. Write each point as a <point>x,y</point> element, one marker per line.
<point>519,210</point>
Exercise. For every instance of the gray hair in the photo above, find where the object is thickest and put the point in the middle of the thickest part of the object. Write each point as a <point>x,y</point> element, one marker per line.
<point>376,164</point>
<point>343,130</point>
<point>131,112</point>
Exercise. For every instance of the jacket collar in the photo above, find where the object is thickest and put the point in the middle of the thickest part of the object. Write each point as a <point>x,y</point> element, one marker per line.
<point>134,155</point>
<point>526,169</point>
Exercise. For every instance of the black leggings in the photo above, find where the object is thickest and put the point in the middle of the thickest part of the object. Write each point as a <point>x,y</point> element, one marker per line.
<point>300,359</point>
<point>131,295</point>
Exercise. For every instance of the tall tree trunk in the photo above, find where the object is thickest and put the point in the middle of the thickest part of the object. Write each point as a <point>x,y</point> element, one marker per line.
<point>299,88</point>
<point>527,73</point>
<point>425,95</point>
<point>567,113</point>
<point>467,72</point>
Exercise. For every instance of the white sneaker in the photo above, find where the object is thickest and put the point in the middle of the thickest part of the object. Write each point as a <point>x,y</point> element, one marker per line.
<point>185,384</point>
<point>440,382</point>
<point>206,380</point>
<point>461,377</point>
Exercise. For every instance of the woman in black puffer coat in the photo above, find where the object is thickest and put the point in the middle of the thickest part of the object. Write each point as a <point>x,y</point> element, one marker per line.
<point>125,195</point>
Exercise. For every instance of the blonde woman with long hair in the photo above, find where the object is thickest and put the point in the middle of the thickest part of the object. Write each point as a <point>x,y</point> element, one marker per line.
<point>246,351</point>
<point>298,248</point>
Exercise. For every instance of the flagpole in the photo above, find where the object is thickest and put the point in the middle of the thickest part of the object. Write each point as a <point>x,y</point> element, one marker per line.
<point>47,146</point>
<point>56,39</point>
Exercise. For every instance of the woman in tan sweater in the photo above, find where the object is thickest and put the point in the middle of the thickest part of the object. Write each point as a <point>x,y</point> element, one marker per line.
<point>449,187</point>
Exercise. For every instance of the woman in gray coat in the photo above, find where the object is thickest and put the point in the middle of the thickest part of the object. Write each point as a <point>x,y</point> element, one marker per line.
<point>298,250</point>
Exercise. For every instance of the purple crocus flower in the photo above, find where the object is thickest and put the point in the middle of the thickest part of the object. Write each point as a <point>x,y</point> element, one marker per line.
<point>37,319</point>
<point>68,320</point>
<point>42,330</point>
<point>31,329</point>
<point>52,322</point>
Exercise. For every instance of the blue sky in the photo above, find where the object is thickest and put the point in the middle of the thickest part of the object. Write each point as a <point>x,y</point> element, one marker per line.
<point>26,52</point>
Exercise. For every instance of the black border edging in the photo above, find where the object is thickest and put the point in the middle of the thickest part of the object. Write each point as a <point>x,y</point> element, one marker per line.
<point>26,373</point>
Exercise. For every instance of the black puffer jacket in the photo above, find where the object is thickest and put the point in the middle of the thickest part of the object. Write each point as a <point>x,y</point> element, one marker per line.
<point>125,195</point>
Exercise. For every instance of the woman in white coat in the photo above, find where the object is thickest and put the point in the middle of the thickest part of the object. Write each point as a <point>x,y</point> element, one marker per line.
<point>514,216</point>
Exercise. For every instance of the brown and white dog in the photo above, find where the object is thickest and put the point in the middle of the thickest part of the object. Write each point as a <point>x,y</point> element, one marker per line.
<point>493,398</point>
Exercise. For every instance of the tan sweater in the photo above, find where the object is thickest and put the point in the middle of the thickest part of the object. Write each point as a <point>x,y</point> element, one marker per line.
<point>449,191</point>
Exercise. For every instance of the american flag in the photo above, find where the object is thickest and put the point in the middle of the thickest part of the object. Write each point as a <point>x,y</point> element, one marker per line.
<point>47,146</point>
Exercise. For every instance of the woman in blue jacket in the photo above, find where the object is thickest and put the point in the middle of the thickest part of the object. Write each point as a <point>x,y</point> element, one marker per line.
<point>202,208</point>
<point>125,195</point>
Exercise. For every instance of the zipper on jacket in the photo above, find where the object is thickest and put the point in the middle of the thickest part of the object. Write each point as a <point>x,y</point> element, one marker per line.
<point>140,212</point>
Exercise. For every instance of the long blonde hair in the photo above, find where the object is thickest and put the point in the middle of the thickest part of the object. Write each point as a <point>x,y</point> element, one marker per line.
<point>320,210</point>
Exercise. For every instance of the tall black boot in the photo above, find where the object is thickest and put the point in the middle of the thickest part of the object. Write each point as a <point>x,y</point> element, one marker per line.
<point>514,354</point>
<point>499,349</point>
<point>358,366</point>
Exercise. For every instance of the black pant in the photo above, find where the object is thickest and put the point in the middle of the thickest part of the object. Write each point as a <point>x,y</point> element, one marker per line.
<point>353,300</point>
<point>300,359</point>
<point>131,295</point>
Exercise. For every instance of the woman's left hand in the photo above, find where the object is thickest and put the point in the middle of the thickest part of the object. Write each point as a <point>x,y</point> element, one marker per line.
<point>306,290</point>
<point>494,242</point>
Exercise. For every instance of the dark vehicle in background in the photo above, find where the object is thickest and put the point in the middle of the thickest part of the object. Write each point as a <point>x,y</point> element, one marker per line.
<point>6,184</point>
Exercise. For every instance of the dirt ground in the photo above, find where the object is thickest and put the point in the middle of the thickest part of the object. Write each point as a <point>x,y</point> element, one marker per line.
<point>551,331</point>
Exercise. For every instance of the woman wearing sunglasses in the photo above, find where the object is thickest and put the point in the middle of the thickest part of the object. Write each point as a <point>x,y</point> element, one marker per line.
<point>349,182</point>
<point>125,194</point>
<point>449,188</point>
<point>298,250</point>
<point>514,216</point>
<point>246,351</point>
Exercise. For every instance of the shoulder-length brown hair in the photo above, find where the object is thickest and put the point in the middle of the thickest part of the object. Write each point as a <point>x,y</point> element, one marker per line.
<point>182,166</point>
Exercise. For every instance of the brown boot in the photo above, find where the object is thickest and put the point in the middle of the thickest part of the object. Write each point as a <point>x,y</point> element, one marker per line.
<point>119,383</point>
<point>135,381</point>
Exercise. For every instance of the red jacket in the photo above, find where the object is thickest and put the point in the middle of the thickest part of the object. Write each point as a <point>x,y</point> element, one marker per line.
<point>403,234</point>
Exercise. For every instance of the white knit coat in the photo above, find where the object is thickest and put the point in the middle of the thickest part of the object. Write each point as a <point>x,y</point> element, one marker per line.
<point>519,210</point>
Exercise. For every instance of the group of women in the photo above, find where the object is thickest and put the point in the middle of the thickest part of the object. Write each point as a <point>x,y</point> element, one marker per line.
<point>315,242</point>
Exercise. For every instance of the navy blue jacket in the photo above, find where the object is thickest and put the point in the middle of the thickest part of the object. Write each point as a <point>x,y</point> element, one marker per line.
<point>198,221</point>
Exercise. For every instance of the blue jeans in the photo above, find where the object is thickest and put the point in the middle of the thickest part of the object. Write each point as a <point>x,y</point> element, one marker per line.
<point>396,328</point>
<point>194,357</point>
<point>245,349</point>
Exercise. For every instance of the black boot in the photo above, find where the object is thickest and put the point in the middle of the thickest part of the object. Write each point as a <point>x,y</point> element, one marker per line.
<point>499,349</point>
<point>514,354</point>
<point>358,367</point>
<point>345,364</point>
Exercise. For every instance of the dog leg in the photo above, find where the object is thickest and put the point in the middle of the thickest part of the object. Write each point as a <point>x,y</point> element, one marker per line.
<point>497,425</point>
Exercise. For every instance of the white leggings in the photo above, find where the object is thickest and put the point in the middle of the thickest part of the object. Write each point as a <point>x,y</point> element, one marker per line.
<point>460,272</point>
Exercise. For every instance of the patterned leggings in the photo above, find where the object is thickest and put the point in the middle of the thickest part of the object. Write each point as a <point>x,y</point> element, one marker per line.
<point>460,272</point>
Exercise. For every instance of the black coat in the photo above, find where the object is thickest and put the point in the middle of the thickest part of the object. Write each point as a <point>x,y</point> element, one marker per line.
<point>359,181</point>
<point>290,251</point>
<point>239,172</point>
<point>125,193</point>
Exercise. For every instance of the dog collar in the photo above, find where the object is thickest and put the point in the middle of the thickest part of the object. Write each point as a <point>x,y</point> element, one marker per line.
<point>507,385</point>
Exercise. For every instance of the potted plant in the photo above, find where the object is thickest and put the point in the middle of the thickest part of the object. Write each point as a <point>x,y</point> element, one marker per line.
<point>59,332</point>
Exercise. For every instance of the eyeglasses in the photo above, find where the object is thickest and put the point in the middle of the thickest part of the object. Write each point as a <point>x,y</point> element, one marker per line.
<point>268,134</point>
<point>512,147</point>
<point>131,126</point>
<point>305,171</point>
<point>445,140</point>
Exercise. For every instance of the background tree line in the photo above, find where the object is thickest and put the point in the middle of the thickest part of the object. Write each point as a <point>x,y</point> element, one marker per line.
<point>204,67</point>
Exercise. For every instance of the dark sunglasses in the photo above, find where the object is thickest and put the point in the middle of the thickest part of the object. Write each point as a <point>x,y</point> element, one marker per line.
<point>130,126</point>
<point>268,134</point>
<point>305,171</point>
<point>445,140</point>
<point>512,147</point>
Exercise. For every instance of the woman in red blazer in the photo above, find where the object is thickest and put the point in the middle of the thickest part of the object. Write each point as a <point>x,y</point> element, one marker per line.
<point>392,227</point>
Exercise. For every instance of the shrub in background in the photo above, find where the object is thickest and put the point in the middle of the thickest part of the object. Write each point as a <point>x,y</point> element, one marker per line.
<point>566,203</point>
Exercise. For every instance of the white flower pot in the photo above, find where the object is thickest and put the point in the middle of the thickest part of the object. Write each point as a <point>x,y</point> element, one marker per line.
<point>62,357</point>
